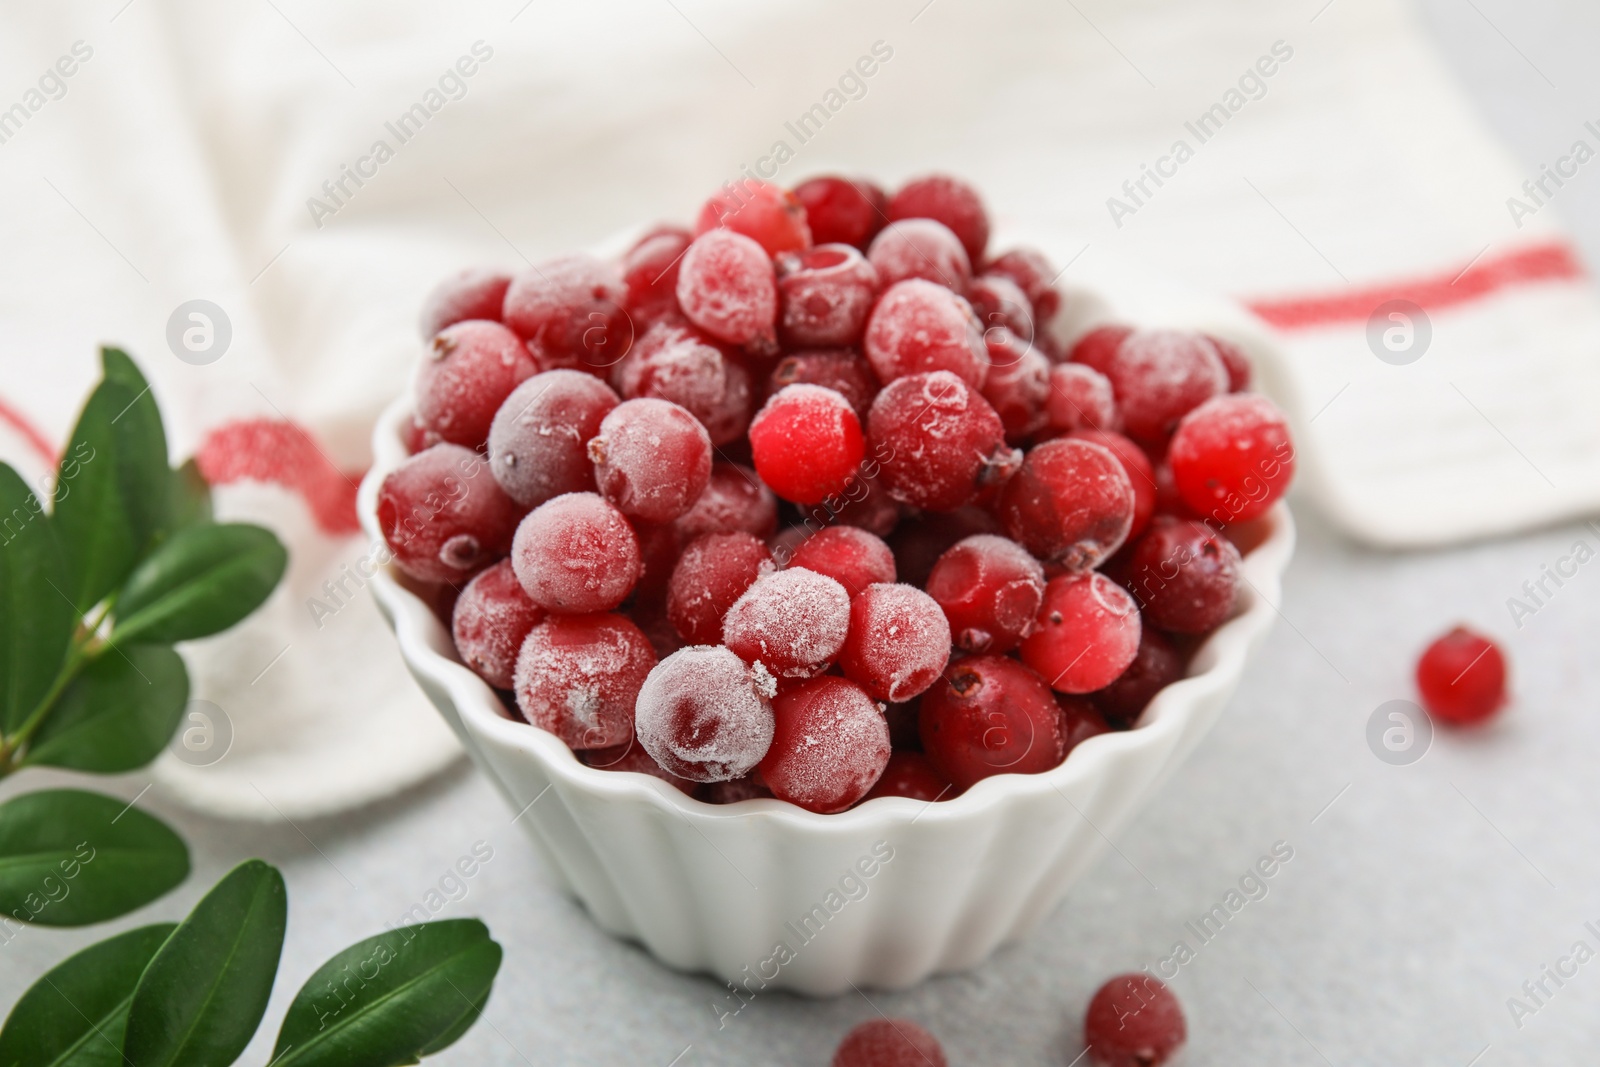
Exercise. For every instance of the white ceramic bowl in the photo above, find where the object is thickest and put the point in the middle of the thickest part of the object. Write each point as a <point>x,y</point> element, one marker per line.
<point>769,896</point>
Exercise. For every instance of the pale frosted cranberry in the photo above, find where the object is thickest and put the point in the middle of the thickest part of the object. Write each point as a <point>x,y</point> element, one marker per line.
<point>840,369</point>
<point>1234,361</point>
<point>1134,1021</point>
<point>949,201</point>
<point>750,787</point>
<point>726,287</point>
<point>1086,633</point>
<point>468,371</point>
<point>1000,303</point>
<point>704,715</point>
<point>1070,504</point>
<point>473,293</point>
<point>899,641</point>
<point>1081,398</point>
<point>675,362</point>
<point>1462,677</point>
<point>712,573</point>
<point>652,459</point>
<point>576,554</point>
<point>913,775</point>
<point>443,516</point>
<point>1018,383</point>
<point>829,745</point>
<point>570,312</point>
<point>886,1042</point>
<point>577,676</point>
<point>1137,466</point>
<point>538,440</point>
<point>1232,458</point>
<point>990,590</point>
<point>937,441</point>
<point>1036,276</point>
<point>806,443</point>
<point>990,715</point>
<point>1185,575</point>
<point>1156,665</point>
<point>920,248</point>
<point>918,545</point>
<point>852,557</point>
<point>1098,347</point>
<point>491,618</point>
<point>734,499</point>
<point>843,210</point>
<point>1159,376</point>
<point>917,327</point>
<point>792,621</point>
<point>650,272</point>
<point>632,757</point>
<point>772,217</point>
<point>824,295</point>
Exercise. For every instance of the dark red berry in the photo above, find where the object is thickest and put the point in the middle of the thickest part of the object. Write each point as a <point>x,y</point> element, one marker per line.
<point>538,442</point>
<point>652,459</point>
<point>473,293</point>
<point>1232,457</point>
<point>824,295</point>
<point>577,676</point>
<point>1086,633</point>
<point>491,618</point>
<point>843,210</point>
<point>854,558</point>
<point>750,787</point>
<point>792,621</point>
<point>911,774</point>
<point>886,1042</point>
<point>443,516</point>
<point>990,715</point>
<point>470,368</point>
<point>1137,466</point>
<point>949,201</point>
<point>899,641</point>
<point>703,715</point>
<point>1186,576</point>
<point>570,312</point>
<point>1462,677</point>
<point>918,545</point>
<point>650,272</point>
<point>712,573</point>
<point>1080,720</point>
<point>772,217</point>
<point>807,444</point>
<point>920,248</point>
<point>674,361</point>
<point>1236,363</point>
<point>990,590</point>
<point>1134,1021</point>
<point>1156,665</point>
<point>917,327</point>
<point>734,499</point>
<point>576,554</point>
<point>937,441</point>
<point>727,288</point>
<point>1036,276</point>
<point>1070,504</point>
<point>1159,376</point>
<point>829,745</point>
<point>840,369</point>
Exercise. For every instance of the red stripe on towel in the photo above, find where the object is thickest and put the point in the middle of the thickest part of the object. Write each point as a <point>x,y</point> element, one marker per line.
<point>271,450</point>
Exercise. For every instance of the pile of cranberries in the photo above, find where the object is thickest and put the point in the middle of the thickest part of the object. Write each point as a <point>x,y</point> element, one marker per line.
<point>811,502</point>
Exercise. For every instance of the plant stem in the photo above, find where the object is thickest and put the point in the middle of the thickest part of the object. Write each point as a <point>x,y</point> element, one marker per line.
<point>83,651</point>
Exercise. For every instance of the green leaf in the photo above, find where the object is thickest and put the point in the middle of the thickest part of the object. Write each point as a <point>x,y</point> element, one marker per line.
<point>191,496</point>
<point>201,581</point>
<point>141,449</point>
<point>69,858</point>
<point>203,995</point>
<point>36,618</point>
<point>74,1016</point>
<point>391,999</point>
<point>117,715</point>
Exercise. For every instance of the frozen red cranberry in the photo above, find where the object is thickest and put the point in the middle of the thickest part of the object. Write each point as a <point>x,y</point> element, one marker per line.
<point>704,715</point>
<point>1462,677</point>
<point>853,558</point>
<point>712,573</point>
<point>632,757</point>
<point>492,616</point>
<point>937,441</point>
<point>1235,362</point>
<point>990,590</point>
<point>474,293</point>
<point>1156,665</point>
<point>577,676</point>
<point>824,295</point>
<point>898,643</point>
<point>911,774</point>
<point>727,288</point>
<point>1080,720</point>
<point>416,437</point>
<point>829,745</point>
<point>843,210</point>
<point>991,715</point>
<point>469,370</point>
<point>886,1042</point>
<point>576,554</point>
<point>1070,504</point>
<point>1000,303</point>
<point>1186,576</point>
<point>1232,457</point>
<point>772,217</point>
<point>443,516</point>
<point>1137,466</point>
<point>787,542</point>
<point>1159,376</point>
<point>1086,633</point>
<point>652,459</point>
<point>675,362</point>
<point>918,327</point>
<point>1081,399</point>
<point>949,201</point>
<point>839,369</point>
<point>868,506</point>
<point>570,312</point>
<point>1134,1021</point>
<point>1036,276</point>
<point>1018,383</point>
<point>792,621</point>
<point>750,787</point>
<point>734,499</point>
<point>806,442</point>
<point>538,440</point>
<point>920,248</point>
<point>1098,347</point>
<point>650,272</point>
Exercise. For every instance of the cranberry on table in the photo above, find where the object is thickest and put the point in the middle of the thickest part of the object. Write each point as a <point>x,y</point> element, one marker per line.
<point>538,441</point>
<point>1080,720</point>
<point>1000,302</point>
<point>841,369</point>
<point>1098,347</point>
<point>852,557</point>
<point>734,499</point>
<point>577,676</point>
<point>631,756</point>
<point>570,312</point>
<point>443,516</point>
<point>1086,633</point>
<point>1186,576</point>
<point>824,295</point>
<point>652,459</point>
<point>1134,1020</point>
<point>949,201</point>
<point>1159,376</point>
<point>491,618</point>
<point>704,715</point>
<point>885,1042</point>
<point>1136,463</point>
<point>727,288</point>
<point>793,622</point>
<point>576,554</point>
<point>1156,665</point>
<point>990,590</point>
<point>1070,504</point>
<point>712,573</point>
<point>1462,677</point>
<point>473,293</point>
<point>899,642</point>
<point>1018,383</point>
<point>806,442</point>
<point>990,715</point>
<point>1235,362</point>
<point>920,248</point>
<point>918,326</point>
<point>469,370</point>
<point>1035,275</point>
<point>937,441</point>
<point>843,210</point>
<point>650,273</point>
<point>774,218</point>
<point>911,774</point>
<point>1081,399</point>
<point>675,362</point>
<point>829,745</point>
<point>1232,457</point>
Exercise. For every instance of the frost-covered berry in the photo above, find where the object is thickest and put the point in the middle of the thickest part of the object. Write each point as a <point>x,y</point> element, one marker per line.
<point>937,441</point>
<point>913,775</point>
<point>843,210</point>
<point>1070,504</point>
<point>852,557</point>
<point>1136,464</point>
<point>920,248</point>
<point>1086,633</point>
<point>726,287</point>
<point>990,715</point>
<point>990,590</point>
<point>1081,399</point>
<point>704,715</point>
<point>824,295</point>
<point>772,217</point>
<point>885,1042</point>
<point>1185,575</point>
<point>899,641</point>
<point>712,573</point>
<point>491,618</point>
<point>570,312</point>
<point>473,293</point>
<point>538,440</point>
<point>576,554</point>
<point>829,746</point>
<point>1235,361</point>
<point>1134,1021</point>
<point>1159,376</point>
<point>734,499</point>
<point>1000,303</point>
<point>577,676</point>
<point>949,201</point>
<point>443,516</point>
<point>1232,458</point>
<point>918,326</point>
<point>1018,383</point>
<point>675,362</point>
<point>792,621</point>
<point>806,443</point>
<point>652,459</point>
<point>840,369</point>
<point>468,371</point>
<point>1035,275</point>
<point>1098,347</point>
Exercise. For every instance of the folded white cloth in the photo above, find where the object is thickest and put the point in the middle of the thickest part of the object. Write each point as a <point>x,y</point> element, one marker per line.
<point>232,154</point>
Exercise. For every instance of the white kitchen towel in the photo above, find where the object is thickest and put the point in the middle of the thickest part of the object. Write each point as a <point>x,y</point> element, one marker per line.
<point>310,169</point>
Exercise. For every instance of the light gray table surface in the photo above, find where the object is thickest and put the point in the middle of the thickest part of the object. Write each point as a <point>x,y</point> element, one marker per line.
<point>1418,900</point>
